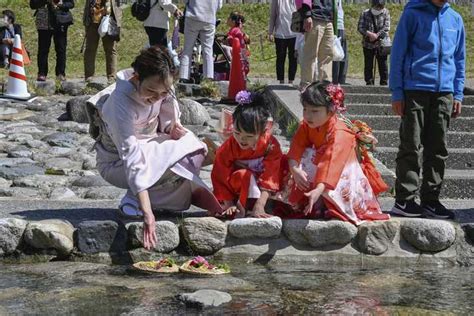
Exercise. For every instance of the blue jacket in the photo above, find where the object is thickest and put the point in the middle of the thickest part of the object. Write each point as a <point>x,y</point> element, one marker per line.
<point>428,51</point>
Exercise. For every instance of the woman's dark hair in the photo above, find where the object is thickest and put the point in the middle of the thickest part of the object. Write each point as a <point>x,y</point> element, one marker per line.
<point>237,18</point>
<point>316,95</point>
<point>153,61</point>
<point>252,117</point>
<point>10,15</point>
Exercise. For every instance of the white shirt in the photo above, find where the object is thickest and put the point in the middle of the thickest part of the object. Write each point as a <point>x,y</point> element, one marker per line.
<point>160,14</point>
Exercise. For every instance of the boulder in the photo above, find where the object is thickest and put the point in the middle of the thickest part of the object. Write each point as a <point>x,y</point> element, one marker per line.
<point>11,233</point>
<point>61,194</point>
<point>192,112</point>
<point>167,234</point>
<point>21,193</point>
<point>20,152</point>
<point>73,127</point>
<point>41,181</point>
<point>4,183</point>
<point>90,181</point>
<point>293,230</point>
<point>68,140</point>
<point>105,193</point>
<point>256,227</point>
<point>50,234</point>
<point>427,234</point>
<point>19,171</point>
<point>375,238</point>
<point>204,298</point>
<point>61,165</point>
<point>204,235</point>
<point>101,236</point>
<point>76,109</point>
<point>329,233</point>
<point>73,87</point>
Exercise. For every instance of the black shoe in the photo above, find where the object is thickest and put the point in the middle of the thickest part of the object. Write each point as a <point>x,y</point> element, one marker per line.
<point>437,210</point>
<point>407,209</point>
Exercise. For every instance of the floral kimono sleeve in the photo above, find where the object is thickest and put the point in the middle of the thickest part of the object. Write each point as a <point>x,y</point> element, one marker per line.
<point>269,179</point>
<point>299,143</point>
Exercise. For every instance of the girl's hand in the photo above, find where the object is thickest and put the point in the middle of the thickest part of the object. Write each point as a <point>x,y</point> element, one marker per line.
<point>301,178</point>
<point>177,131</point>
<point>313,197</point>
<point>149,230</point>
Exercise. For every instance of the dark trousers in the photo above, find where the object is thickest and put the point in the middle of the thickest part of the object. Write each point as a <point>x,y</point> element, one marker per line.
<point>369,55</point>
<point>339,68</point>
<point>60,43</point>
<point>425,122</point>
<point>284,47</point>
<point>156,36</point>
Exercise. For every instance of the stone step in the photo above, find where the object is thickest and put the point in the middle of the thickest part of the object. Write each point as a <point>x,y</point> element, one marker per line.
<point>366,89</point>
<point>384,98</point>
<point>386,109</point>
<point>455,139</point>
<point>459,158</point>
<point>392,122</point>
<point>457,184</point>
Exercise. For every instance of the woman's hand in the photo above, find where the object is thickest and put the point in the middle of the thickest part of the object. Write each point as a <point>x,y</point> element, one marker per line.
<point>149,231</point>
<point>301,178</point>
<point>313,197</point>
<point>177,131</point>
<point>271,38</point>
<point>308,24</point>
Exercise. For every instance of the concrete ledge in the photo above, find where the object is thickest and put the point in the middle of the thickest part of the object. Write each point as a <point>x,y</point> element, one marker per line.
<point>433,240</point>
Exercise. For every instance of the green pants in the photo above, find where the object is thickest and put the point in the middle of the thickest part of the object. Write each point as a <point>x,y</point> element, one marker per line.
<point>424,126</point>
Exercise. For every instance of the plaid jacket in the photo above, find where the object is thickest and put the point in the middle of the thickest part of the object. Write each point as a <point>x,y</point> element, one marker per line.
<point>366,23</point>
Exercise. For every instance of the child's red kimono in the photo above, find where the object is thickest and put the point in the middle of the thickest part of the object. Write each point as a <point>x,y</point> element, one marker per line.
<point>236,32</point>
<point>328,155</point>
<point>239,173</point>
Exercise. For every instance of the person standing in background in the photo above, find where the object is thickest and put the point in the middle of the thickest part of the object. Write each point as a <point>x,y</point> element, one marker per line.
<point>339,68</point>
<point>53,19</point>
<point>94,11</point>
<point>158,22</point>
<point>8,30</point>
<point>279,31</point>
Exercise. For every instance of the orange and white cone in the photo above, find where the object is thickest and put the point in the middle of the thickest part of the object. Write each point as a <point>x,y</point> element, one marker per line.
<point>17,87</point>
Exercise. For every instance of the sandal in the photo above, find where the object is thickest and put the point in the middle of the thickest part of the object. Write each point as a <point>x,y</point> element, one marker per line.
<point>129,210</point>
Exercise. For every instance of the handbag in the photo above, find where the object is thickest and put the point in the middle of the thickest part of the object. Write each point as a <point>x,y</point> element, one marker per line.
<point>337,50</point>
<point>385,47</point>
<point>63,17</point>
<point>104,25</point>
<point>297,22</point>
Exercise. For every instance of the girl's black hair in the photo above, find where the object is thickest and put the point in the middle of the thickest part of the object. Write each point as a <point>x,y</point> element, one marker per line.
<point>252,118</point>
<point>237,18</point>
<point>316,95</point>
<point>10,15</point>
<point>152,61</point>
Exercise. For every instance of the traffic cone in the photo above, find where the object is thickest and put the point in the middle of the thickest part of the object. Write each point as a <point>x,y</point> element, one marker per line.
<point>16,86</point>
<point>236,80</point>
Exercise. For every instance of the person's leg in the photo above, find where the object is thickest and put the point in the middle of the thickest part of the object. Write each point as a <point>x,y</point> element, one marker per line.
<point>44,42</point>
<point>190,35</point>
<point>434,143</point>
<point>60,46</point>
<point>337,65</point>
<point>310,52</point>
<point>345,63</point>
<point>383,69</point>
<point>90,52</point>
<point>110,49</point>
<point>206,35</point>
<point>368,66</point>
<point>325,52</point>
<point>4,55</point>
<point>292,62</point>
<point>156,36</point>
<point>280,59</point>
<point>409,151</point>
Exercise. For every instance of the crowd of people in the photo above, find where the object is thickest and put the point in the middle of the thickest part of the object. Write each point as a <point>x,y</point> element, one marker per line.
<point>327,173</point>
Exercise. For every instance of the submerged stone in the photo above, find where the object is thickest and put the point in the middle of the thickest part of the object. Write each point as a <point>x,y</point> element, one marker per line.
<point>375,238</point>
<point>101,236</point>
<point>11,233</point>
<point>256,227</point>
<point>167,234</point>
<point>205,298</point>
<point>50,234</point>
<point>204,235</point>
<point>428,235</point>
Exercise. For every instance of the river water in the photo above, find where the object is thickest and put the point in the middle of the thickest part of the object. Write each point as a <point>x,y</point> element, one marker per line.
<point>91,289</point>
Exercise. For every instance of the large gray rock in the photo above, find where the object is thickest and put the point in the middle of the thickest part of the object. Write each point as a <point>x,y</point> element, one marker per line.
<point>20,152</point>
<point>428,235</point>
<point>61,165</point>
<point>73,127</point>
<point>73,87</point>
<point>192,112</point>
<point>62,194</point>
<point>50,234</point>
<point>41,181</point>
<point>101,236</point>
<point>293,230</point>
<point>375,238</point>
<point>68,140</point>
<point>76,109</point>
<point>12,162</point>
<point>14,172</point>
<point>4,183</point>
<point>256,227</point>
<point>167,234</point>
<point>105,193</point>
<point>204,235</point>
<point>11,233</point>
<point>329,233</point>
<point>90,181</point>
<point>22,193</point>
<point>205,298</point>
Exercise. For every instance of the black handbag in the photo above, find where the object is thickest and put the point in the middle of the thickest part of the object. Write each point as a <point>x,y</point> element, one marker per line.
<point>297,22</point>
<point>63,17</point>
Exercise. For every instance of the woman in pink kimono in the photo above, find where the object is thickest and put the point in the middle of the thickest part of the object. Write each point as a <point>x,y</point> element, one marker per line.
<point>143,147</point>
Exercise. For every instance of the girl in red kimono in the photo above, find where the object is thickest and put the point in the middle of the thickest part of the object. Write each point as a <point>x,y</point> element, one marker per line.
<point>236,23</point>
<point>325,177</point>
<point>246,167</point>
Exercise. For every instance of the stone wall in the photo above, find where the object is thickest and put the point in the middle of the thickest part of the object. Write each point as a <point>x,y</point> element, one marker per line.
<point>255,239</point>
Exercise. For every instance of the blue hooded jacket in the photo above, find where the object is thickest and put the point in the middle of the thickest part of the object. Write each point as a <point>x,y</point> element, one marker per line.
<point>428,51</point>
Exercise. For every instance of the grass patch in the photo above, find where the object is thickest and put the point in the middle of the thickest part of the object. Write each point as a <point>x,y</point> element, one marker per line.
<point>262,60</point>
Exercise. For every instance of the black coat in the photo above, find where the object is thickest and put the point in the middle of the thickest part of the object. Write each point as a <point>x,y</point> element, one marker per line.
<point>51,16</point>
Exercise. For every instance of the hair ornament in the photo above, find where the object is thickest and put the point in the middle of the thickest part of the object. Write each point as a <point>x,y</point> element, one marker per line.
<point>336,97</point>
<point>244,97</point>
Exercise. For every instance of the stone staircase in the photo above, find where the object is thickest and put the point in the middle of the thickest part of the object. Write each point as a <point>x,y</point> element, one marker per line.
<point>373,106</point>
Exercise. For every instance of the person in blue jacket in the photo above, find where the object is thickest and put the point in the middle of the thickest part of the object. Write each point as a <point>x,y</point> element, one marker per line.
<point>427,71</point>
